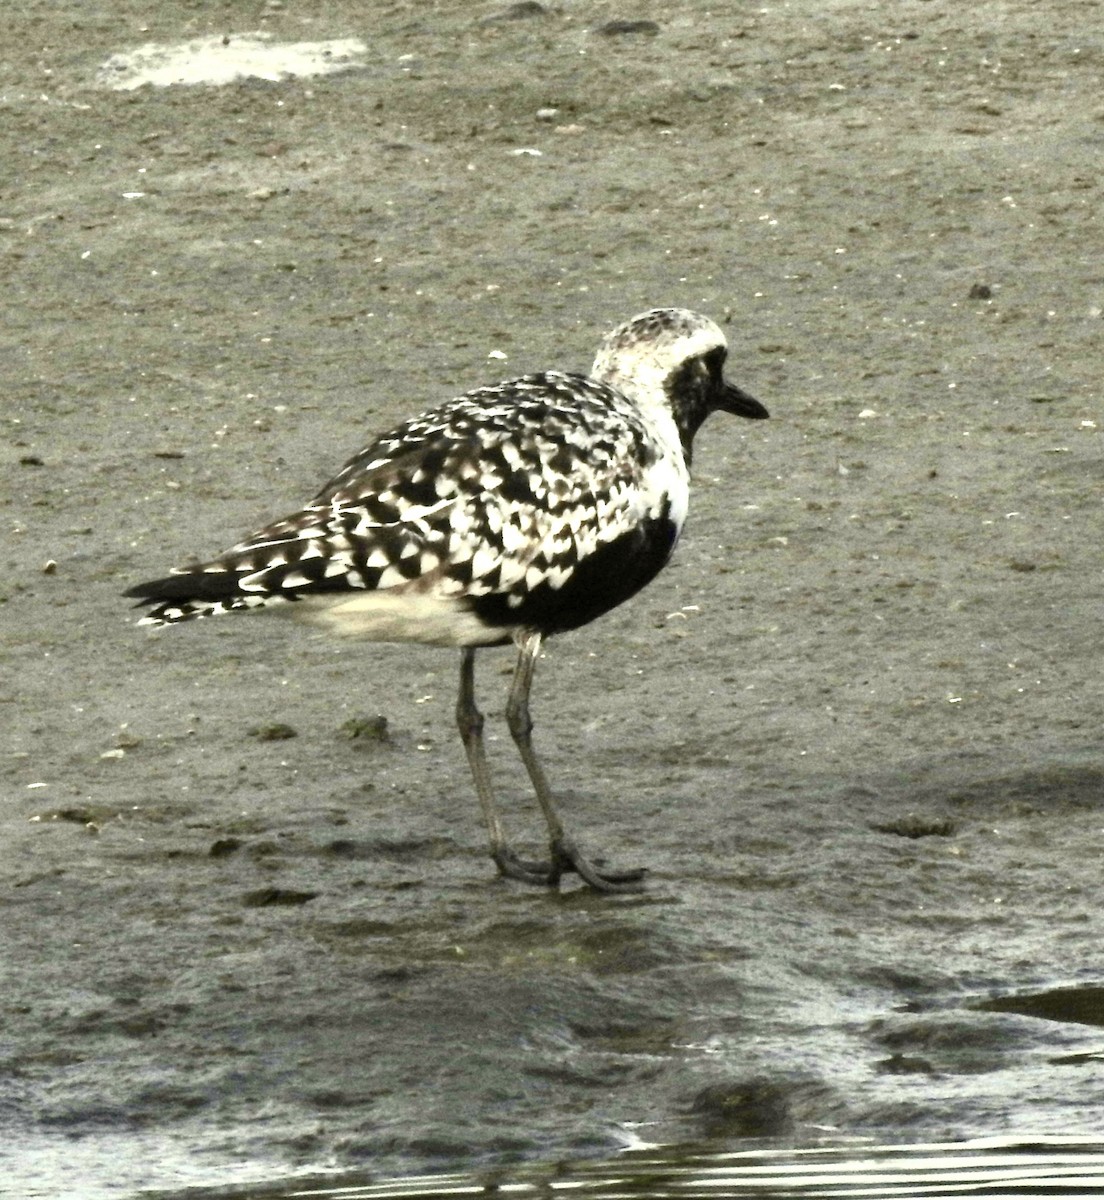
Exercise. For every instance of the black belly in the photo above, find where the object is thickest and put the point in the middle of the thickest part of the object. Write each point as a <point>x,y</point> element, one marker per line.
<point>607,578</point>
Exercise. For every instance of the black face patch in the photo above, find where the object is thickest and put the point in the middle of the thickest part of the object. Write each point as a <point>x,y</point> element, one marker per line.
<point>694,390</point>
<point>714,362</point>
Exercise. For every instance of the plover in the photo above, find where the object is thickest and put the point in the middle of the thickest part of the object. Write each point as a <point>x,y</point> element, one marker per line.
<point>508,514</point>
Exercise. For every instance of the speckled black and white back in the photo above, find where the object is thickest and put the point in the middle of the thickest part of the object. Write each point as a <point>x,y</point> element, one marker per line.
<point>539,503</point>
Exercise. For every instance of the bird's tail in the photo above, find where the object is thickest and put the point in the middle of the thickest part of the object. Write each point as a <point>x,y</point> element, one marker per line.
<point>190,594</point>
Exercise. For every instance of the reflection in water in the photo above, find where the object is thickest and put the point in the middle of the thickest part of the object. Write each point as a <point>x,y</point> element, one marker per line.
<point>985,1167</point>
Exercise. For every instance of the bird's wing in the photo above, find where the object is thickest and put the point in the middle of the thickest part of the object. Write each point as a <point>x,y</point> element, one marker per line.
<point>502,488</point>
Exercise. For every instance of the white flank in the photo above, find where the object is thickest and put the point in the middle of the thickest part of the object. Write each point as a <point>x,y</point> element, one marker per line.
<point>397,616</point>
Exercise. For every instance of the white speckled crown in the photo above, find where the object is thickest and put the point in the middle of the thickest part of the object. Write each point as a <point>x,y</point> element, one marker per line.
<point>638,356</point>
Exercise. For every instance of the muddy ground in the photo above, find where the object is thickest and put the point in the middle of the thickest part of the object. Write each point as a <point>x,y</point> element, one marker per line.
<point>854,730</point>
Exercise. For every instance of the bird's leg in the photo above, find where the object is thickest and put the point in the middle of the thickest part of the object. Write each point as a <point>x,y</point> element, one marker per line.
<point>469,720</point>
<point>566,856</point>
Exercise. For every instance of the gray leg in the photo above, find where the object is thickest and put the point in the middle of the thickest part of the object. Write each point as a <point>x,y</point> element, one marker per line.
<point>469,720</point>
<point>566,856</point>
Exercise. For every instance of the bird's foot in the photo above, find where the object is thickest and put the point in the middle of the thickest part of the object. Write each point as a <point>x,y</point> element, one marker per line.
<point>568,857</point>
<point>543,874</point>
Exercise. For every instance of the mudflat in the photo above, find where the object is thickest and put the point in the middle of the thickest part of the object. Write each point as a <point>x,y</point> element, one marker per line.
<point>248,925</point>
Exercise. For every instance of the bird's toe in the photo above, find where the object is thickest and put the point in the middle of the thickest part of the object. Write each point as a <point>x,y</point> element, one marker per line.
<point>544,874</point>
<point>569,857</point>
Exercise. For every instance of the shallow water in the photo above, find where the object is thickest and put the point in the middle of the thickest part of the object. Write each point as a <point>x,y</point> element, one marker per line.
<point>983,1167</point>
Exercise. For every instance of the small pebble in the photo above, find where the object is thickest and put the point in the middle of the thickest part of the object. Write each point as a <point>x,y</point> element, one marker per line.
<point>620,28</point>
<point>366,729</point>
<point>914,826</point>
<point>265,897</point>
<point>224,847</point>
<point>276,732</point>
<point>521,11</point>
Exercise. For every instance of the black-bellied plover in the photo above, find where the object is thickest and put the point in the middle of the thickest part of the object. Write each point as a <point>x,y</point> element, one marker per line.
<point>508,514</point>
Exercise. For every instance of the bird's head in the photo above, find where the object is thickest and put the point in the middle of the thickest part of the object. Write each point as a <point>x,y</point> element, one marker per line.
<point>674,358</point>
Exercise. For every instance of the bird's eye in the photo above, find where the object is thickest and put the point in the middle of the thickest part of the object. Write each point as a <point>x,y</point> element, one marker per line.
<point>714,360</point>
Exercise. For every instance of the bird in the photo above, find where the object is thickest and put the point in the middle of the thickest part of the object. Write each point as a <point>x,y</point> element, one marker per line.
<point>509,514</point>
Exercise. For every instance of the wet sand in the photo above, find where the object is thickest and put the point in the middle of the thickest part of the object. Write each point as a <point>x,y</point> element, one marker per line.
<point>854,729</point>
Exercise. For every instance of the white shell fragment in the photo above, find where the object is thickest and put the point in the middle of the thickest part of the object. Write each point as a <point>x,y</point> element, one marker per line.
<point>224,60</point>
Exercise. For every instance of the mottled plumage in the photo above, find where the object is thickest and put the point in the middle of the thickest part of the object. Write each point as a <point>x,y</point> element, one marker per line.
<point>507,514</point>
